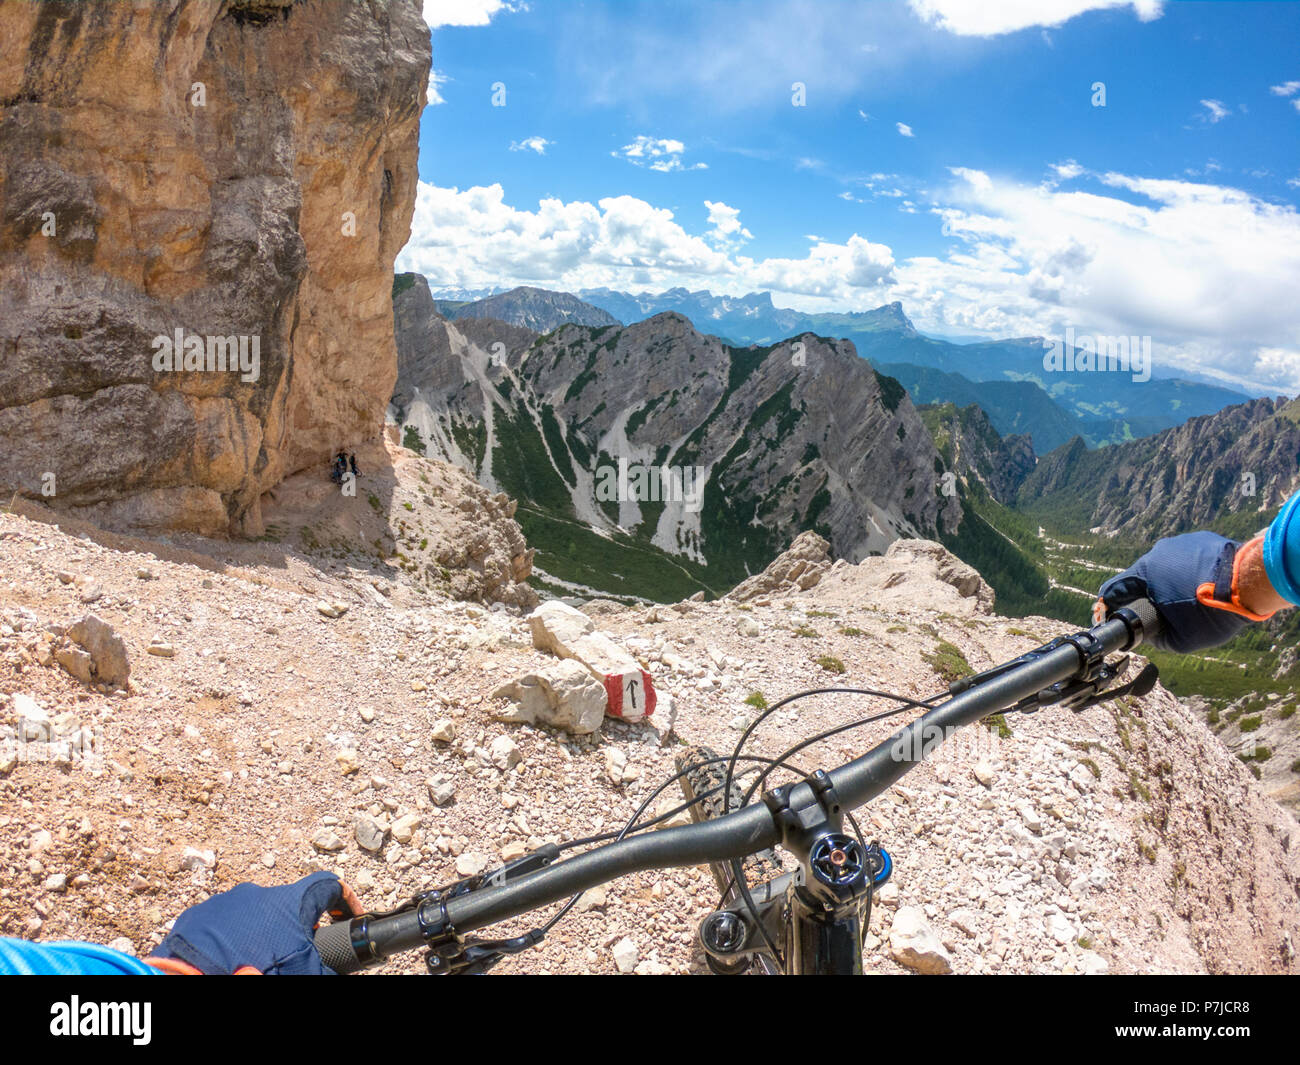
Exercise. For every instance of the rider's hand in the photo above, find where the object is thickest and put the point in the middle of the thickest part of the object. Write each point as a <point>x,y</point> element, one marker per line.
<point>256,929</point>
<point>1194,582</point>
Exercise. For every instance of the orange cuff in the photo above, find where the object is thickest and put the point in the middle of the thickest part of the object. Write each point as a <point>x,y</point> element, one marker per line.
<point>176,967</point>
<point>1205,594</point>
<point>173,966</point>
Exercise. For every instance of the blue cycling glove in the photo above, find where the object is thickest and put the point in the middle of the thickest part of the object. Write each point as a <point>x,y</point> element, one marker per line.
<point>251,929</point>
<point>1192,580</point>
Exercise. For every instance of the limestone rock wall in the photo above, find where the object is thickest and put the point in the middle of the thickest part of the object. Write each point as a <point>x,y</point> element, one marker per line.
<point>226,168</point>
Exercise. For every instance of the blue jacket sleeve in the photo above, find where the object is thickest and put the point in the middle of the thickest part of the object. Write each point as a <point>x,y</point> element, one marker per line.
<point>1282,551</point>
<point>22,957</point>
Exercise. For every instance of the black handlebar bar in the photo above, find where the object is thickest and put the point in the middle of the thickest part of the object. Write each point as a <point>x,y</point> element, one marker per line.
<point>350,945</point>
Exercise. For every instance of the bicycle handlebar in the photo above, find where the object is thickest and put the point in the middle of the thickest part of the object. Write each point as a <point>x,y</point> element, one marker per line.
<point>350,945</point>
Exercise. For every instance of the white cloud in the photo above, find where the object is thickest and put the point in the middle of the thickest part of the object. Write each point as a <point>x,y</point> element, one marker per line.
<point>725,228</point>
<point>1203,269</point>
<point>433,97</point>
<point>657,153</point>
<point>1287,88</point>
<point>467,12</point>
<point>531,144</point>
<point>829,271</point>
<point>1067,171</point>
<point>1216,111</point>
<point>905,129</point>
<point>1208,271</point>
<point>472,238</point>
<point>981,18</point>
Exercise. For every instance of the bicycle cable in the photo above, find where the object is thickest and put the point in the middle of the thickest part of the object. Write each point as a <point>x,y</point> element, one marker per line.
<point>632,826</point>
<point>739,881</point>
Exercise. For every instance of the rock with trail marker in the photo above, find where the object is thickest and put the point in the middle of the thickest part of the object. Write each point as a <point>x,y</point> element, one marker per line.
<point>569,633</point>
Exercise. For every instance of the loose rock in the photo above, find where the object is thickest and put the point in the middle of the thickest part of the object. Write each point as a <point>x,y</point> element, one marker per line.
<point>912,943</point>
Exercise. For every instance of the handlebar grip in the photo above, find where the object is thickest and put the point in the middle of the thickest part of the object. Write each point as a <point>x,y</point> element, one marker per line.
<point>334,945</point>
<point>1148,617</point>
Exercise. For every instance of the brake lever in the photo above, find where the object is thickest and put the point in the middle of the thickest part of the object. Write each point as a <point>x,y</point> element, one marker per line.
<point>1139,686</point>
<point>473,957</point>
<point>1084,692</point>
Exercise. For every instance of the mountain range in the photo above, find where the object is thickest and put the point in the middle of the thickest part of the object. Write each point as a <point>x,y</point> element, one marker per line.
<point>765,441</point>
<point>1008,378</point>
<point>1230,470</point>
<point>533,308</point>
<point>807,433</point>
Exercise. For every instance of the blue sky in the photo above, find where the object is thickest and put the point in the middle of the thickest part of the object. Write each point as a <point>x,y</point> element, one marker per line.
<point>948,153</point>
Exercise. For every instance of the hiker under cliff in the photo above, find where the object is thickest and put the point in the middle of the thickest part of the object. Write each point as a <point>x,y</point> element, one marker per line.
<point>339,468</point>
<point>1206,587</point>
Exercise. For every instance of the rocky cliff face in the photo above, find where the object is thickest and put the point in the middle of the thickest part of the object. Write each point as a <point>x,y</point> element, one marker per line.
<point>799,435</point>
<point>1242,461</point>
<point>218,177</point>
<point>972,448</point>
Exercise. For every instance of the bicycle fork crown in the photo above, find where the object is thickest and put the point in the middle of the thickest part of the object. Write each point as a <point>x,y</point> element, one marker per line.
<point>818,910</point>
<point>842,864</point>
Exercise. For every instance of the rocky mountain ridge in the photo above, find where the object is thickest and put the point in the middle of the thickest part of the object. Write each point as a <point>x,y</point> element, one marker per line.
<point>766,442</point>
<point>534,308</point>
<point>972,448</point>
<point>1008,377</point>
<point>1236,466</point>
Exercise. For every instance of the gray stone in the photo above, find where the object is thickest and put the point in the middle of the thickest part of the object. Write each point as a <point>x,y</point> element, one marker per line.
<point>442,792</point>
<point>34,724</point>
<point>564,694</point>
<point>326,840</point>
<point>505,753</point>
<point>369,833</point>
